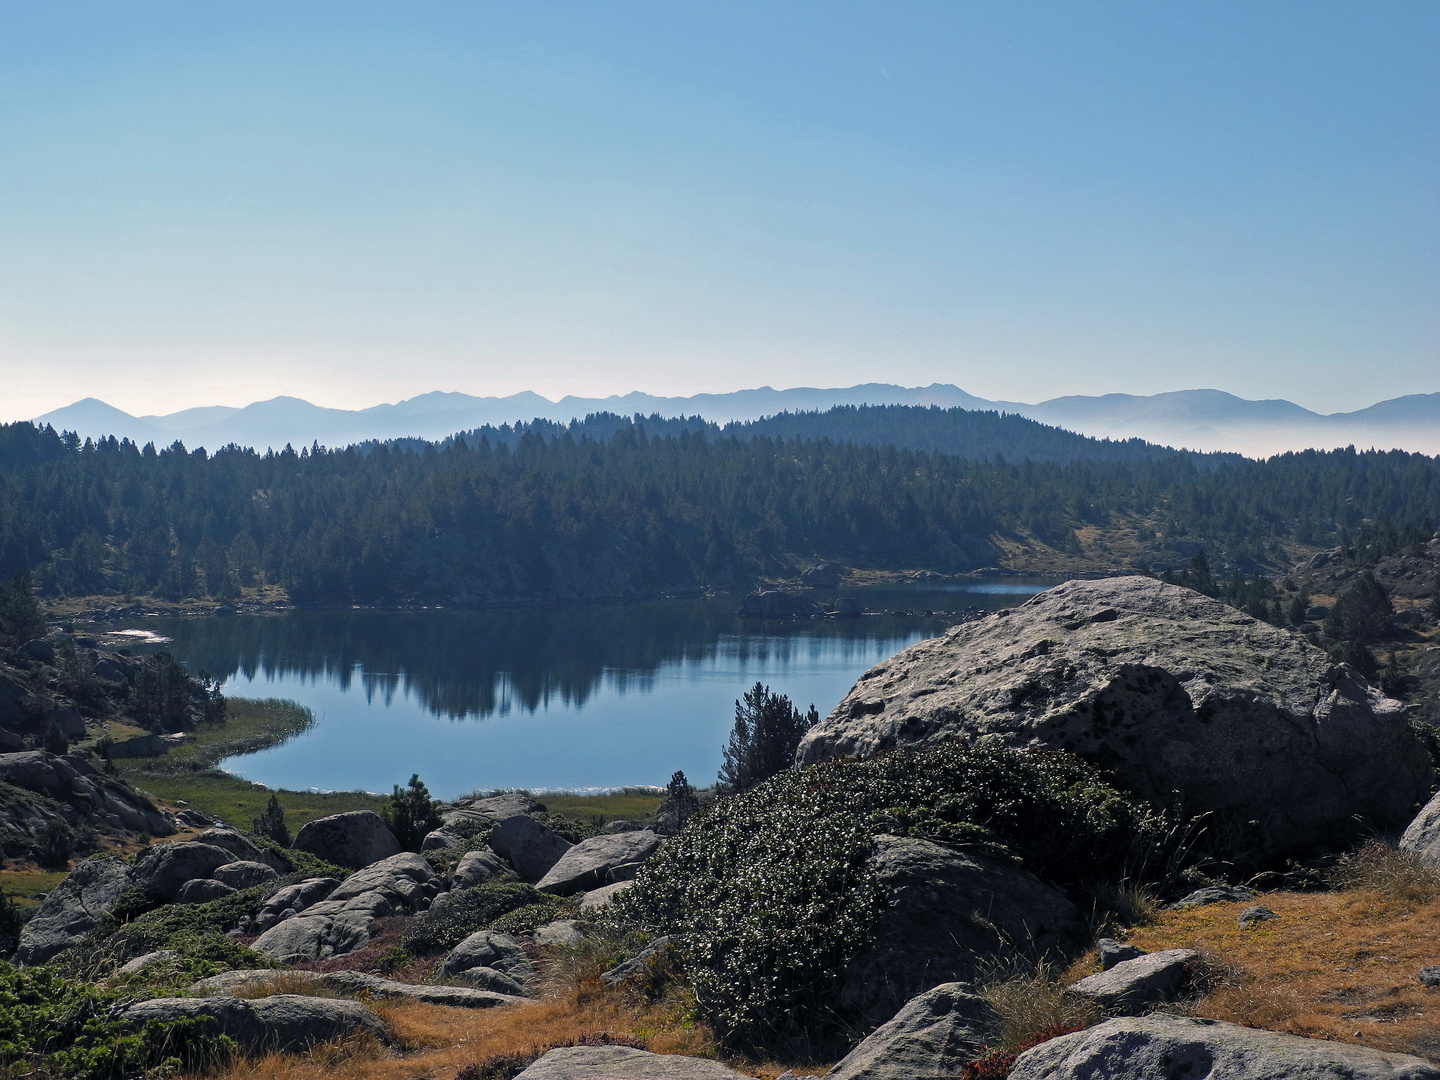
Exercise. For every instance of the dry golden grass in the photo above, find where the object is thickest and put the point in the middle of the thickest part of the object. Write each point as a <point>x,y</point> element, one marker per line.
<point>1339,965</point>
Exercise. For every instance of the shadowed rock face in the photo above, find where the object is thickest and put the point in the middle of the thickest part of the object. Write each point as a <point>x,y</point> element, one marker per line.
<point>1190,702</point>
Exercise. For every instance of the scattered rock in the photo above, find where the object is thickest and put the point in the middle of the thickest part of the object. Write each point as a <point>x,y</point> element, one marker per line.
<point>1430,976</point>
<point>492,949</point>
<point>1253,916</point>
<point>149,960</point>
<point>162,870</point>
<point>354,839</point>
<point>73,908</point>
<point>39,649</point>
<point>202,891</point>
<point>616,1062</point>
<point>945,915</point>
<point>931,1038</point>
<point>1214,894</point>
<point>244,874</point>
<point>488,978</point>
<point>478,867</point>
<point>636,964</point>
<point>460,997</point>
<point>1112,952</point>
<point>1145,1047</point>
<point>528,846</point>
<point>559,932</point>
<point>586,865</point>
<point>1422,837</point>
<point>1133,986</point>
<point>287,1022</point>
<point>596,899</point>
<point>1183,697</point>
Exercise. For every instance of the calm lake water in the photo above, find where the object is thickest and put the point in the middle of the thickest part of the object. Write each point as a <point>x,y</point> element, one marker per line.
<point>584,697</point>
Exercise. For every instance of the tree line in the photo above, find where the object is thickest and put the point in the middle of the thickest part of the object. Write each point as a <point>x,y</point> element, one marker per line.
<point>556,516</point>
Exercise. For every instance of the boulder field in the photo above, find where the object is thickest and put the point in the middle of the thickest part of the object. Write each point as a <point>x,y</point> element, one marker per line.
<point>1191,703</point>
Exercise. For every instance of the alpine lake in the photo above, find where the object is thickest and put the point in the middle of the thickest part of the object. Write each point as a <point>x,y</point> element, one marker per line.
<point>558,698</point>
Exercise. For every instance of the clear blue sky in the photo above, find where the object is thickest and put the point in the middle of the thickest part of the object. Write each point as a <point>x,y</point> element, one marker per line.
<point>214,203</point>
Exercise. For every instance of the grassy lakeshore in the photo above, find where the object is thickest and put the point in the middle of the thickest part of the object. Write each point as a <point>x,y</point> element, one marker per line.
<point>190,774</point>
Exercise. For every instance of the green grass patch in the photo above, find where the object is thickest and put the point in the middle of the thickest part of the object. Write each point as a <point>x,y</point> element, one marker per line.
<point>26,886</point>
<point>250,725</point>
<point>629,804</point>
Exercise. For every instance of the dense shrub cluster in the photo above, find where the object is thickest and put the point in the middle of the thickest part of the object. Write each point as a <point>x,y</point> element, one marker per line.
<point>770,894</point>
<point>462,912</point>
<point>51,1026</point>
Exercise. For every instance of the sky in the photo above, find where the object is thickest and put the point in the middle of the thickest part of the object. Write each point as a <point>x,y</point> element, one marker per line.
<point>352,203</point>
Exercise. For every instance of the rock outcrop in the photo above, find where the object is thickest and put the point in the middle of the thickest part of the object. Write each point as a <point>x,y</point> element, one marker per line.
<point>945,913</point>
<point>528,845</point>
<point>1133,986</point>
<point>1422,837</point>
<point>1185,698</point>
<point>614,1062</point>
<point>1145,1047</point>
<point>353,840</point>
<point>491,950</point>
<point>587,865</point>
<point>931,1038</point>
<point>165,868</point>
<point>74,907</point>
<point>281,1022</point>
<point>478,867</point>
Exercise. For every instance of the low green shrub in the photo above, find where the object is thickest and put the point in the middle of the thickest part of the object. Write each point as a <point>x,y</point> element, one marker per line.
<point>525,919</point>
<point>770,894</point>
<point>463,912</point>
<point>53,1026</point>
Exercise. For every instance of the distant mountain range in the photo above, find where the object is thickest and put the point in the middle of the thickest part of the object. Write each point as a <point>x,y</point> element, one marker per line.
<point>1207,420</point>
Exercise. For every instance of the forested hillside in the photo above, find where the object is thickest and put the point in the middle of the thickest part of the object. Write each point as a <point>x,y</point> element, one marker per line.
<point>580,518</point>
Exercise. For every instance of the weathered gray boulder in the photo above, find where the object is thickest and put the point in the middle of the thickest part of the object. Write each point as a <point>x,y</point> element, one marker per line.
<point>256,982</point>
<point>354,839</point>
<point>202,891</point>
<point>73,908</point>
<point>36,770</point>
<point>1172,690</point>
<point>1213,894</point>
<point>586,865</point>
<point>478,867</point>
<point>491,949</point>
<point>244,874</point>
<point>1146,1047</point>
<point>164,868</point>
<point>1111,952</point>
<point>527,845</point>
<point>281,1022</point>
<point>947,915</point>
<point>147,961</point>
<point>506,804</point>
<point>488,978</point>
<point>1422,837</point>
<point>441,839</point>
<point>240,847</point>
<point>1133,986</point>
<point>596,900</point>
<point>623,1063</point>
<point>559,932</point>
<point>931,1038</point>
<point>293,899</point>
<point>340,924</point>
<point>1253,916</point>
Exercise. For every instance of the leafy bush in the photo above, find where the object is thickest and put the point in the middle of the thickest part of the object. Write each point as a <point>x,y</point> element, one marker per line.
<point>770,894</point>
<point>768,729</point>
<point>525,919</point>
<point>464,911</point>
<point>52,1026</point>
<point>411,813</point>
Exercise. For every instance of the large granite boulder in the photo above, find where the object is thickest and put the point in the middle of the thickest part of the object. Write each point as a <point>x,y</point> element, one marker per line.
<point>244,874</point>
<point>260,1025</point>
<point>162,870</point>
<point>585,866</point>
<point>1146,1047</point>
<point>202,891</point>
<point>354,839</point>
<point>1187,699</point>
<point>340,923</point>
<point>1133,986</point>
<point>623,1063</point>
<point>240,846</point>
<point>529,846</point>
<point>494,950</point>
<point>1422,837</point>
<point>478,867</point>
<point>289,901</point>
<point>258,983</point>
<point>506,804</point>
<point>931,1038</point>
<point>947,917</point>
<point>73,908</point>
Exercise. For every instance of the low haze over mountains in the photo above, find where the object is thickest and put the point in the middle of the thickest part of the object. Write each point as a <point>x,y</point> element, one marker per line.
<point>1208,420</point>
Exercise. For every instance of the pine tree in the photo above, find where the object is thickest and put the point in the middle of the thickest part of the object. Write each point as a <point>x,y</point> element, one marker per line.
<point>768,729</point>
<point>271,824</point>
<point>411,813</point>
